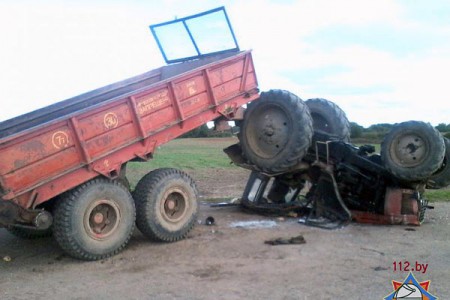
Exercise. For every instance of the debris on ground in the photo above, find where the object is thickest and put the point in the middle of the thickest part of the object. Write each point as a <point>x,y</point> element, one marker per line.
<point>296,240</point>
<point>7,258</point>
<point>210,221</point>
<point>254,224</point>
<point>232,202</point>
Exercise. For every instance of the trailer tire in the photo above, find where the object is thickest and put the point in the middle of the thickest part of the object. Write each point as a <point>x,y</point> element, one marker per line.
<point>329,118</point>
<point>166,203</point>
<point>412,150</point>
<point>29,233</point>
<point>441,178</point>
<point>276,132</point>
<point>95,220</point>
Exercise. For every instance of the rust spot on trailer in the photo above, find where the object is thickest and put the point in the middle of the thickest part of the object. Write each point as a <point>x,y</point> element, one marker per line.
<point>190,102</point>
<point>33,145</point>
<point>19,163</point>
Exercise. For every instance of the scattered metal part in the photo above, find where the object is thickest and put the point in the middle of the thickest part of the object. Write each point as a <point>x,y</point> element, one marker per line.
<point>373,250</point>
<point>232,202</point>
<point>254,224</point>
<point>379,268</point>
<point>409,229</point>
<point>296,240</point>
<point>210,221</point>
<point>224,204</point>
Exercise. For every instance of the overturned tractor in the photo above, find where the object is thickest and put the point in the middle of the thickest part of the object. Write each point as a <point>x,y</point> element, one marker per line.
<point>302,159</point>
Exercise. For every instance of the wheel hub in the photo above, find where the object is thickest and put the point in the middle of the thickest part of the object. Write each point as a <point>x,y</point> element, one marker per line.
<point>171,204</point>
<point>98,218</point>
<point>410,150</point>
<point>174,205</point>
<point>269,132</point>
<point>101,219</point>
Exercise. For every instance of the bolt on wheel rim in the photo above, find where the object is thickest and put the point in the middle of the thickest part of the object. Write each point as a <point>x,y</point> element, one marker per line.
<point>102,219</point>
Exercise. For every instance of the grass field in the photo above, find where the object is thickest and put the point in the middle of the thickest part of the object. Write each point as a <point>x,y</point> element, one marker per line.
<point>191,154</point>
<point>204,153</point>
<point>185,154</point>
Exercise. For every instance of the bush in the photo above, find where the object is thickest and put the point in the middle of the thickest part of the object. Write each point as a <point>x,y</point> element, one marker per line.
<point>205,132</point>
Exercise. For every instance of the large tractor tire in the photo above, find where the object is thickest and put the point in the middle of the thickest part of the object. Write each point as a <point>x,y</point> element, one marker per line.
<point>276,131</point>
<point>166,203</point>
<point>413,150</point>
<point>328,118</point>
<point>94,220</point>
<point>441,178</point>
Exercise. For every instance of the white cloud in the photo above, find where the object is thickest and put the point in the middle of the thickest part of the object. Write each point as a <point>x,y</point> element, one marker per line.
<point>54,51</point>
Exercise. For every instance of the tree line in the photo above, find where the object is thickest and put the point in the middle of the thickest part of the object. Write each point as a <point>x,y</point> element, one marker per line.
<point>375,133</point>
<point>372,134</point>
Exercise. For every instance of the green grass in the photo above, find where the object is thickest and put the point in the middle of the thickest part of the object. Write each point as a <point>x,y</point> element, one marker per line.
<point>438,195</point>
<point>187,154</point>
<point>190,154</point>
<point>202,153</point>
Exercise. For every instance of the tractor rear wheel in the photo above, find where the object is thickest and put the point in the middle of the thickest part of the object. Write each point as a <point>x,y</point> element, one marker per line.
<point>413,150</point>
<point>441,178</point>
<point>329,118</point>
<point>276,131</point>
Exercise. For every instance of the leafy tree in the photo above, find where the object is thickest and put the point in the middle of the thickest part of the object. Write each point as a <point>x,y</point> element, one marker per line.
<point>199,132</point>
<point>381,128</point>
<point>356,130</point>
<point>442,127</point>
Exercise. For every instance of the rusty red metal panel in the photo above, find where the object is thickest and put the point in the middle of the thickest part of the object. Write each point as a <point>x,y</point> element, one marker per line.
<point>158,119</point>
<point>110,140</point>
<point>104,120</point>
<point>43,169</point>
<point>195,104</point>
<point>152,101</point>
<point>223,74</point>
<point>190,87</point>
<point>400,208</point>
<point>28,151</point>
<point>41,162</point>
<point>227,90</point>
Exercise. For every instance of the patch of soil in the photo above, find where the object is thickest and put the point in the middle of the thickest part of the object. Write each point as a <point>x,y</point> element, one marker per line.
<point>220,183</point>
<point>223,261</point>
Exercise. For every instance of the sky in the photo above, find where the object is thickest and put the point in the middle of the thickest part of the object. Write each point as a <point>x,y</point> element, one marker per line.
<point>383,61</point>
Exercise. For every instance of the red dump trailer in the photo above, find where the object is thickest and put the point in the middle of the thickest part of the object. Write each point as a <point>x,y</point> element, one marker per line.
<point>62,167</point>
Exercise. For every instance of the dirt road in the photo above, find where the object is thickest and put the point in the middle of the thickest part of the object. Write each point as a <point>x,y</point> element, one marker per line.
<point>227,262</point>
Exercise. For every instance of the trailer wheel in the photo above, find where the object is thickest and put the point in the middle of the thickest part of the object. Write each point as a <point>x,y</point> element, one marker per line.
<point>412,150</point>
<point>166,203</point>
<point>29,233</point>
<point>329,118</point>
<point>94,220</point>
<point>276,131</point>
<point>441,178</point>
